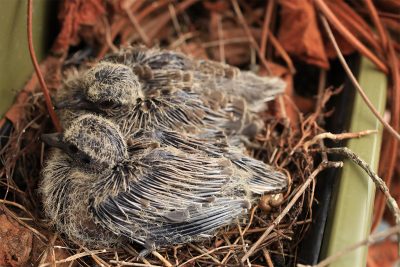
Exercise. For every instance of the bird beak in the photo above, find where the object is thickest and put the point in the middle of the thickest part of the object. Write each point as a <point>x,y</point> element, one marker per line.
<point>75,104</point>
<point>54,139</point>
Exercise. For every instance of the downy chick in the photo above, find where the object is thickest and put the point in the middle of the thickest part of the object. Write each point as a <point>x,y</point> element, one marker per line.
<point>114,91</point>
<point>165,68</point>
<point>100,191</point>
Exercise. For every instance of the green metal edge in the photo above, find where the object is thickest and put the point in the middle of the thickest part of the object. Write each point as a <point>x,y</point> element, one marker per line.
<point>15,62</point>
<point>350,220</point>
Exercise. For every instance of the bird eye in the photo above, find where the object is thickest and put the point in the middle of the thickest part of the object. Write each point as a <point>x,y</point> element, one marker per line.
<point>106,104</point>
<point>73,149</point>
<point>86,160</point>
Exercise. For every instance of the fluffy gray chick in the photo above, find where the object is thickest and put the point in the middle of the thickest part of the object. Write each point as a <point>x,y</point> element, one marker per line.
<point>114,91</point>
<point>156,67</point>
<point>100,191</point>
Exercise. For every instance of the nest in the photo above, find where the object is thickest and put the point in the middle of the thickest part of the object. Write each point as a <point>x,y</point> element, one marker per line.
<point>235,32</point>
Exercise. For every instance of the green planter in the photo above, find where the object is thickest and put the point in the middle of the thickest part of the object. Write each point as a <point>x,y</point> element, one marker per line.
<point>15,62</point>
<point>349,221</point>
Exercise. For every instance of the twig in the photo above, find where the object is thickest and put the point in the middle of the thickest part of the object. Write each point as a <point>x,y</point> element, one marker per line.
<point>137,26</point>
<point>389,151</point>
<point>208,253</point>
<point>96,258</point>
<point>236,40</point>
<point>239,14</point>
<point>43,85</point>
<point>220,38</point>
<point>282,52</point>
<point>348,35</point>
<point>76,256</point>
<point>366,242</point>
<point>108,37</point>
<point>354,80</point>
<point>41,236</point>
<point>375,18</point>
<point>204,251</point>
<point>253,211</point>
<point>267,21</point>
<point>267,257</point>
<point>243,242</point>
<point>162,259</point>
<point>298,194</point>
<point>341,136</point>
<point>182,39</point>
<point>379,183</point>
<point>125,263</point>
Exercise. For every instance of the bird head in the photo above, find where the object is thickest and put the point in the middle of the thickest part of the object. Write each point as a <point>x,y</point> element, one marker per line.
<point>107,87</point>
<point>92,142</point>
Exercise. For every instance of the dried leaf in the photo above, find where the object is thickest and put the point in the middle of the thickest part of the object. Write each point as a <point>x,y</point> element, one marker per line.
<point>383,254</point>
<point>16,242</point>
<point>299,33</point>
<point>74,15</point>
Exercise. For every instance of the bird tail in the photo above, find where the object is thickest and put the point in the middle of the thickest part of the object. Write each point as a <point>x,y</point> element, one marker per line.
<point>262,177</point>
<point>257,90</point>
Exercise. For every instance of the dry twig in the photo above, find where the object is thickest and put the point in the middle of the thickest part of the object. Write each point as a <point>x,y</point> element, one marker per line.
<point>45,90</point>
<point>355,82</point>
<point>298,194</point>
<point>379,183</point>
<point>366,242</point>
<point>341,136</point>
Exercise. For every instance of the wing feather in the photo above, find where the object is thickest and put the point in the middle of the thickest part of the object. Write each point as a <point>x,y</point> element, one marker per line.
<point>172,183</point>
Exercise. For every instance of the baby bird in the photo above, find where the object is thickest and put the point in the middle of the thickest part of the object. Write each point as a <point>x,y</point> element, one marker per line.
<point>99,190</point>
<point>115,92</point>
<point>166,88</point>
<point>155,68</point>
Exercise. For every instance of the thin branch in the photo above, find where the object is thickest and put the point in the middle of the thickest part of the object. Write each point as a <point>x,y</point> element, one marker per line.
<point>125,263</point>
<point>267,21</point>
<point>45,90</point>
<point>375,18</point>
<point>341,136</point>
<point>389,151</point>
<point>136,25</point>
<point>366,242</point>
<point>76,256</point>
<point>298,194</point>
<point>349,36</point>
<point>267,258</point>
<point>391,202</point>
<point>162,259</point>
<point>354,80</point>
<point>220,38</point>
<point>204,251</point>
<point>208,253</point>
<point>239,14</point>
<point>282,52</point>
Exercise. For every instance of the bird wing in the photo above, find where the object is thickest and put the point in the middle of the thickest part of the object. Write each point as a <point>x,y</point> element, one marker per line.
<point>219,77</point>
<point>154,58</point>
<point>173,197</point>
<point>157,69</point>
<point>261,177</point>
<point>183,111</point>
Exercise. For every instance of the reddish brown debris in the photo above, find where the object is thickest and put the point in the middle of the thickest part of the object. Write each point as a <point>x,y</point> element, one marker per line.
<point>15,242</point>
<point>299,33</point>
<point>79,18</point>
<point>383,254</point>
